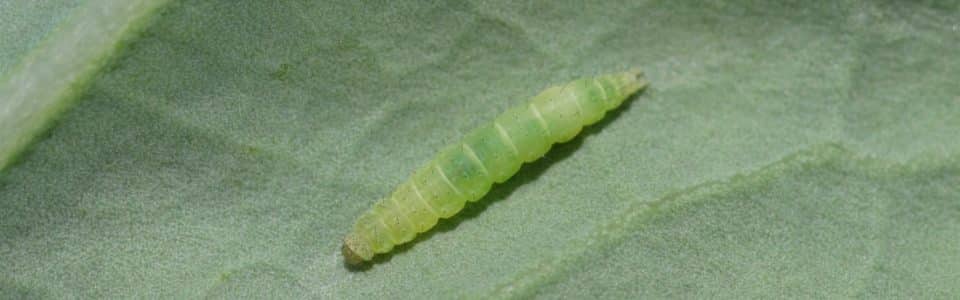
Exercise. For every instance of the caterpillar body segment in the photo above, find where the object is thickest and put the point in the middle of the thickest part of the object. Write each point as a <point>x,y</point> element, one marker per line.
<point>492,153</point>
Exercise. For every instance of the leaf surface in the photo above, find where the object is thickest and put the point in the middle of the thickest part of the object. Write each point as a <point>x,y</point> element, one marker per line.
<point>783,149</point>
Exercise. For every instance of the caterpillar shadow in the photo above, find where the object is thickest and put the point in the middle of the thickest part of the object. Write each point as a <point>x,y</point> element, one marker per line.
<point>527,173</point>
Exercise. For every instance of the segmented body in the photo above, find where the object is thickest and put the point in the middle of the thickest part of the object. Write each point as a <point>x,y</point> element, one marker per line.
<point>463,172</point>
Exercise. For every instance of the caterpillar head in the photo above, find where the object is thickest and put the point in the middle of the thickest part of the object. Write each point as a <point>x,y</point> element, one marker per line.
<point>355,251</point>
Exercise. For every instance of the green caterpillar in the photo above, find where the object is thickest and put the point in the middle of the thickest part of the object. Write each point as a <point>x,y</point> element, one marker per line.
<point>465,171</point>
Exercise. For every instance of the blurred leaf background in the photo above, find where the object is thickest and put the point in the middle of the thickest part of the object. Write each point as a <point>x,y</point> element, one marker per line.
<point>783,149</point>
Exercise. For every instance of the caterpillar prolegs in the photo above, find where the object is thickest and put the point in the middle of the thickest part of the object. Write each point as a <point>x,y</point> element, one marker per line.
<point>464,171</point>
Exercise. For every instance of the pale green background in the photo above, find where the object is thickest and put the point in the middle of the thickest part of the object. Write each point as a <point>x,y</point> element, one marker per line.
<point>783,149</point>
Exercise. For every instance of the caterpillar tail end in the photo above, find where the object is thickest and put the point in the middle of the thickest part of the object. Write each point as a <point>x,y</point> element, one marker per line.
<point>624,85</point>
<point>355,253</point>
<point>633,81</point>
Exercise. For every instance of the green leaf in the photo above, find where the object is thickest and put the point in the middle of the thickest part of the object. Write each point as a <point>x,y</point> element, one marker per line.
<point>37,85</point>
<point>783,149</point>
